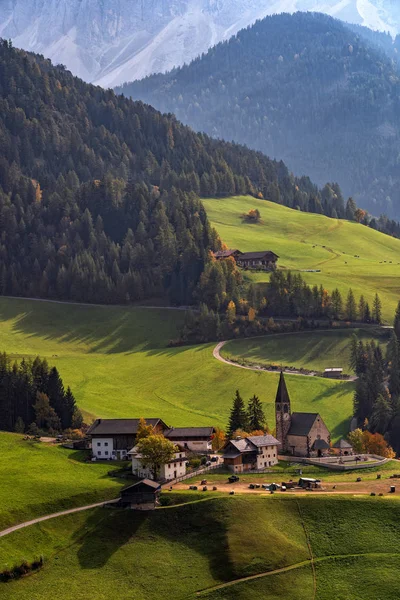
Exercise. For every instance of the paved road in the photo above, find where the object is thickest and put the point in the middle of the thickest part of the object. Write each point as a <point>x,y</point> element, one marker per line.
<point>53,516</point>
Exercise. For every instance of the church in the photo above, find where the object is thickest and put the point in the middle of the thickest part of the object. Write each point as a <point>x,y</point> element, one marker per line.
<point>300,434</point>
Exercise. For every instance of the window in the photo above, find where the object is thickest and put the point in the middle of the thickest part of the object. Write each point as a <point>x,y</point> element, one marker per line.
<point>99,443</point>
<point>106,452</point>
<point>180,464</point>
<point>99,452</point>
<point>106,443</point>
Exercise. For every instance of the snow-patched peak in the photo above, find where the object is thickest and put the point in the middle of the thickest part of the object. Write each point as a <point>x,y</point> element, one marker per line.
<point>113,41</point>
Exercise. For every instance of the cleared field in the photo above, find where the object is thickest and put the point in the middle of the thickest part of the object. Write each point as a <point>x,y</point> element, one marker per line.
<point>308,241</point>
<point>197,547</point>
<point>316,350</point>
<point>37,479</point>
<point>117,363</point>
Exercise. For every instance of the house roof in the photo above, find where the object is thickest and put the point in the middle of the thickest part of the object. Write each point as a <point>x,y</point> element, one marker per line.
<point>263,440</point>
<point>243,445</point>
<point>226,253</point>
<point>301,423</point>
<point>282,395</point>
<point>256,255</point>
<point>342,444</point>
<point>177,433</point>
<point>139,485</point>
<point>320,445</point>
<point>120,426</point>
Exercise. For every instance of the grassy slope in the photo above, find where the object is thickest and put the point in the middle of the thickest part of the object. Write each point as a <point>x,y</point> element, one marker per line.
<point>205,544</point>
<point>37,479</point>
<point>307,241</point>
<point>117,364</point>
<point>310,350</point>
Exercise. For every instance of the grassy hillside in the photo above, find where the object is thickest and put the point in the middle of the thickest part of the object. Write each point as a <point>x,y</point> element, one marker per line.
<point>317,350</point>
<point>206,545</point>
<point>309,241</point>
<point>117,362</point>
<point>37,479</point>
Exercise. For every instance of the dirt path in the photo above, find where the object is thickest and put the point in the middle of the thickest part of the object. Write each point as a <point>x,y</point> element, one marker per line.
<point>88,304</point>
<point>52,516</point>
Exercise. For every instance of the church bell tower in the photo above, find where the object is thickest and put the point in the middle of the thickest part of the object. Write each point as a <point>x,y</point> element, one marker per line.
<point>283,413</point>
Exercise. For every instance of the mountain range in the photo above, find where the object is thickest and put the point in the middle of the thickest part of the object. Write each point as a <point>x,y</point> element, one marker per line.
<point>109,42</point>
<point>306,88</point>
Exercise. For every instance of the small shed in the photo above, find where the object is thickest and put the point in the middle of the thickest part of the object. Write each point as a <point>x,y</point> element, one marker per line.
<point>309,484</point>
<point>142,495</point>
<point>343,448</point>
<point>334,373</point>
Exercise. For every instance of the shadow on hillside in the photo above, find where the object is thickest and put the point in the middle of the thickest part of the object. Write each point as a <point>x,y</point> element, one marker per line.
<point>147,533</point>
<point>107,330</point>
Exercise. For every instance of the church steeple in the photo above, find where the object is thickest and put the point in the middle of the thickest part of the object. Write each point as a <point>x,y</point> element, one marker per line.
<point>283,413</point>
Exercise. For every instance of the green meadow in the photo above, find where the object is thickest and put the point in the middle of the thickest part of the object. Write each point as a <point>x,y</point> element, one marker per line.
<point>118,364</point>
<point>339,547</point>
<point>315,350</point>
<point>347,254</point>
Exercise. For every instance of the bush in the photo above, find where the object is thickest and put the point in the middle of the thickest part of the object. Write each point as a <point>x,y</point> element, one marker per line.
<point>195,463</point>
<point>165,500</point>
<point>20,570</point>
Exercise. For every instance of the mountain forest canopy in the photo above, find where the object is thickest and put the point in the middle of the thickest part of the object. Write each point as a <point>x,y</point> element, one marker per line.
<point>306,88</point>
<point>99,194</point>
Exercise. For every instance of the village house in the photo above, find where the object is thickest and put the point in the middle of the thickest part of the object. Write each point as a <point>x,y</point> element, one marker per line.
<point>171,470</point>
<point>265,260</point>
<point>142,495</point>
<point>221,254</point>
<point>195,439</point>
<point>112,439</point>
<point>251,453</point>
<point>300,434</point>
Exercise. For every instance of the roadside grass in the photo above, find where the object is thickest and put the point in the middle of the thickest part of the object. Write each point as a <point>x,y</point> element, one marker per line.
<point>192,548</point>
<point>307,241</point>
<point>314,350</point>
<point>117,362</point>
<point>38,479</point>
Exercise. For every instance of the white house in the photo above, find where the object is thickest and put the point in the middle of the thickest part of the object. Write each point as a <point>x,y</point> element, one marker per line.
<point>171,470</point>
<point>196,439</point>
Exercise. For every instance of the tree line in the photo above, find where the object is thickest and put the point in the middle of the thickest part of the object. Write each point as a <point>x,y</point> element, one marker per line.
<point>377,394</point>
<point>33,398</point>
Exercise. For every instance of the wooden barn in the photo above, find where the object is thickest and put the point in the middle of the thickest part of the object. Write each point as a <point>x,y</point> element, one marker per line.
<point>220,255</point>
<point>142,495</point>
<point>265,260</point>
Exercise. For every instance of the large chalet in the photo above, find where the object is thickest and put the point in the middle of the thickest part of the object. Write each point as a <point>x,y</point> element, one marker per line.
<point>264,260</point>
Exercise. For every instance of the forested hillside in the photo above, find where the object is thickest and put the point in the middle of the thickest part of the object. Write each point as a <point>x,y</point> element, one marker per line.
<point>98,194</point>
<point>305,88</point>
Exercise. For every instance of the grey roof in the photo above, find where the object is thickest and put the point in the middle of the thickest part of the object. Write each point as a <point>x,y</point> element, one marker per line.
<point>263,440</point>
<point>243,445</point>
<point>119,426</point>
<point>144,482</point>
<point>177,433</point>
<point>255,255</point>
<point>320,445</point>
<point>226,253</point>
<point>301,423</point>
<point>282,394</point>
<point>342,444</point>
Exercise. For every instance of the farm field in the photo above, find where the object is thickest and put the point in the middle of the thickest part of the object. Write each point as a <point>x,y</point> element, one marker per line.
<point>38,479</point>
<point>307,241</point>
<point>315,350</point>
<point>117,362</point>
<point>216,547</point>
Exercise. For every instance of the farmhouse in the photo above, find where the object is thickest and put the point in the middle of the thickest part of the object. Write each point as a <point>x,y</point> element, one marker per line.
<point>227,254</point>
<point>171,470</point>
<point>251,453</point>
<point>142,495</point>
<point>196,439</point>
<point>113,438</point>
<point>265,260</point>
<point>300,434</point>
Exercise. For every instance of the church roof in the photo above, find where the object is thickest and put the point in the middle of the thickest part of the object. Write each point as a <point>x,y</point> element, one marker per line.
<point>301,423</point>
<point>282,395</point>
<point>321,445</point>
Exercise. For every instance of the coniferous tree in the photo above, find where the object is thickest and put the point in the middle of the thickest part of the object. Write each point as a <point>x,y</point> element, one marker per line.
<point>396,323</point>
<point>238,417</point>
<point>255,414</point>
<point>377,310</point>
<point>351,307</point>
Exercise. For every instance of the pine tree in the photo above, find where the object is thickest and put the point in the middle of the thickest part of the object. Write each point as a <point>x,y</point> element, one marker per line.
<point>377,310</point>
<point>238,416</point>
<point>255,414</point>
<point>396,323</point>
<point>361,309</point>
<point>393,359</point>
<point>351,307</point>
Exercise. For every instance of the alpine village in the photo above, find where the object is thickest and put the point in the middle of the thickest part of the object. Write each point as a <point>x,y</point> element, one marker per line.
<point>199,300</point>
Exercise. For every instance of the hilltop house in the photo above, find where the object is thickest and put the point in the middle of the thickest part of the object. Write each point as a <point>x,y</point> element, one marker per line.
<point>142,495</point>
<point>300,434</point>
<point>196,439</point>
<point>251,453</point>
<point>265,260</point>
<point>221,254</point>
<point>113,438</point>
<point>171,470</point>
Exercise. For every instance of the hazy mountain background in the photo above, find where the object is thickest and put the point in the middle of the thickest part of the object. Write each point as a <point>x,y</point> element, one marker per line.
<point>306,88</point>
<point>112,41</point>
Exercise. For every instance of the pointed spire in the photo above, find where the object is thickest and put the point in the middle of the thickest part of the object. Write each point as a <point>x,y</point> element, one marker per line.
<point>282,395</point>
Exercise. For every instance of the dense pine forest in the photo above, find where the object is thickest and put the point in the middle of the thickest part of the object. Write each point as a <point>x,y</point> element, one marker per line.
<point>99,194</point>
<point>322,96</point>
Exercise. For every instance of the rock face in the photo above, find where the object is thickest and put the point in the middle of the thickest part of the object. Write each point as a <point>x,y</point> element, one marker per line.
<point>109,42</point>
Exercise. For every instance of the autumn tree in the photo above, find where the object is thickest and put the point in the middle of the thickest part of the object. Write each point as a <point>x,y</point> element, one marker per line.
<point>155,451</point>
<point>218,439</point>
<point>45,415</point>
<point>143,430</point>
